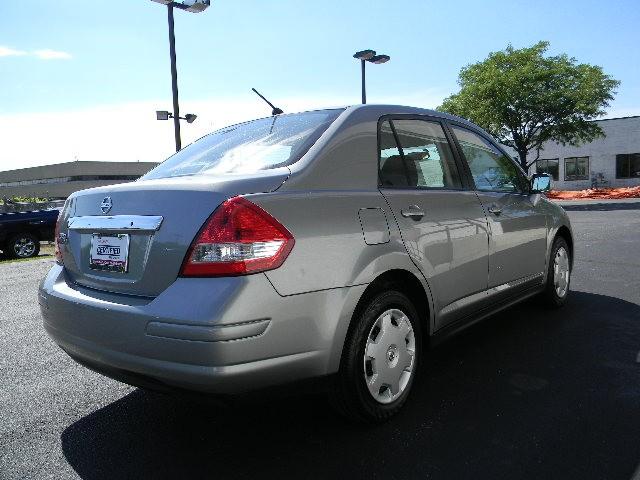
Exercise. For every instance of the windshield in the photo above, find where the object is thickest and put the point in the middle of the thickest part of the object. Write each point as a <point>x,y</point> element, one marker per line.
<point>249,147</point>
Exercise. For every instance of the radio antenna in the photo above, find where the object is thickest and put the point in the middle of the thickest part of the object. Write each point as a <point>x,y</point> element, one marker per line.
<point>275,110</point>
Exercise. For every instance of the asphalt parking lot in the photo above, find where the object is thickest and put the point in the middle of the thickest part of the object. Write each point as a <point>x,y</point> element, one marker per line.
<point>529,393</point>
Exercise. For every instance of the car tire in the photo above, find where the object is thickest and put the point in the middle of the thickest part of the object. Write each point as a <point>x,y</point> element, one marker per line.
<point>556,289</point>
<point>376,370</point>
<point>23,245</point>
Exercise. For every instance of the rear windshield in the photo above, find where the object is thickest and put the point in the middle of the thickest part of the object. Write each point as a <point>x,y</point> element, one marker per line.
<point>249,147</point>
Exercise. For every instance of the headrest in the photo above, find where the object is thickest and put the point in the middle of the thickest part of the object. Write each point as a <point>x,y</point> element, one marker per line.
<point>394,174</point>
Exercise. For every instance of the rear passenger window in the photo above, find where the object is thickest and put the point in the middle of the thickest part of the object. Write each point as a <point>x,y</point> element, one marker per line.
<point>416,153</point>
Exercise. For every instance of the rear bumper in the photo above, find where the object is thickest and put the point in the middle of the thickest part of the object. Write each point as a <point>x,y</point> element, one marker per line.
<point>219,335</point>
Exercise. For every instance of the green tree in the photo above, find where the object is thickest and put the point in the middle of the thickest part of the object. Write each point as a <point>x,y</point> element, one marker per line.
<point>524,98</point>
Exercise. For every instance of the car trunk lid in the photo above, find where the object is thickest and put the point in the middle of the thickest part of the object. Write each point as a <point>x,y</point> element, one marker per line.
<point>150,224</point>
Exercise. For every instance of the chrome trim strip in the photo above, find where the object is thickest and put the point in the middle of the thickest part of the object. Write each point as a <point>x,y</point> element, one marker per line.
<point>463,302</point>
<point>140,223</point>
<point>520,281</point>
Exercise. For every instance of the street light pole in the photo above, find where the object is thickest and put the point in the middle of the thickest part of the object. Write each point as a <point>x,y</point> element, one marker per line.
<point>364,83</point>
<point>190,6</point>
<point>174,78</point>
<point>368,56</point>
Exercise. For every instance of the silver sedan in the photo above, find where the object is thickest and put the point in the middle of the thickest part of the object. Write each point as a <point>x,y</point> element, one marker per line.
<point>333,243</point>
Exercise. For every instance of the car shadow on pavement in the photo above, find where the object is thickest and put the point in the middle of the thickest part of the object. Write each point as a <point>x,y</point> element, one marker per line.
<point>529,393</point>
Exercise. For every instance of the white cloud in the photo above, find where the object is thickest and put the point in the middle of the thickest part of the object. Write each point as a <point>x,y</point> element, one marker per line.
<point>42,54</point>
<point>130,132</point>
<point>11,52</point>
<point>48,54</point>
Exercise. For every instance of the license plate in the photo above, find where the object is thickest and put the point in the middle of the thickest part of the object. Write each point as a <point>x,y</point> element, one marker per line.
<point>109,252</point>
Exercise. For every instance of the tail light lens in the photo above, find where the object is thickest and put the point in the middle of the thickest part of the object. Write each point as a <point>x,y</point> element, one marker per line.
<point>58,252</point>
<point>239,238</point>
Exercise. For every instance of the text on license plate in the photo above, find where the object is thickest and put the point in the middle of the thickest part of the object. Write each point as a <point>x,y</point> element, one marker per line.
<point>109,252</point>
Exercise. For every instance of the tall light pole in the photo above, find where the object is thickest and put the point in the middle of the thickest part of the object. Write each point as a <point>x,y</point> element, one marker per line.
<point>174,78</point>
<point>189,6</point>
<point>368,56</point>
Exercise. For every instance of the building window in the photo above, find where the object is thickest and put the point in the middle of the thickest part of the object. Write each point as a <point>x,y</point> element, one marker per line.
<point>576,168</point>
<point>550,166</point>
<point>628,165</point>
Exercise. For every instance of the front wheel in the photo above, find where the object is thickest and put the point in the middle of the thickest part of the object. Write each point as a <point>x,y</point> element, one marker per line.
<point>380,359</point>
<point>24,245</point>
<point>559,274</point>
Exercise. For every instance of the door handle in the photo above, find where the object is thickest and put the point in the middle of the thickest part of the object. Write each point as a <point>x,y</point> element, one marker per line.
<point>495,210</point>
<point>413,211</point>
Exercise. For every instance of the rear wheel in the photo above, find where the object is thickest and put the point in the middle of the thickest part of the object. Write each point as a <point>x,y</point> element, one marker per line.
<point>559,274</point>
<point>380,359</point>
<point>24,245</point>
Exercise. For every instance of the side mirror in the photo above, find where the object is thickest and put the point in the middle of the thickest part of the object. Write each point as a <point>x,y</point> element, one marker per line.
<point>540,183</point>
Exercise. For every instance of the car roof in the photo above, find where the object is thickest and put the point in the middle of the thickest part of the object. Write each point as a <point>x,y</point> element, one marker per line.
<point>377,110</point>
<point>373,111</point>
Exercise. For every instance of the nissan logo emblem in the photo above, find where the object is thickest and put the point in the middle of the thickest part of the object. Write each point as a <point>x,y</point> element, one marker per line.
<point>106,205</point>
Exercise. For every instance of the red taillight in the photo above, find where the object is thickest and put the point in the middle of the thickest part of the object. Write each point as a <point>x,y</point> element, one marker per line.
<point>239,238</point>
<point>58,252</point>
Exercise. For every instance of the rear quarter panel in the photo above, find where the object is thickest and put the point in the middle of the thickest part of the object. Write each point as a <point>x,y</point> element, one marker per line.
<point>330,250</point>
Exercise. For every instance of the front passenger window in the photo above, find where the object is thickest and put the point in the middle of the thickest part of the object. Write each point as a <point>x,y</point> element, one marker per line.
<point>491,170</point>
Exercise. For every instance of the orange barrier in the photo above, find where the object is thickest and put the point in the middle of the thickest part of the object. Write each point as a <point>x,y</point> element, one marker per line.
<point>596,193</point>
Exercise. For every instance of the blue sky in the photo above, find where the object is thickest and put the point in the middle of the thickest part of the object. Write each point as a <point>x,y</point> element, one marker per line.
<point>79,74</point>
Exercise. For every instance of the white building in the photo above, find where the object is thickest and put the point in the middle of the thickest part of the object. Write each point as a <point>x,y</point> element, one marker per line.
<point>614,160</point>
<point>62,179</point>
